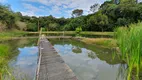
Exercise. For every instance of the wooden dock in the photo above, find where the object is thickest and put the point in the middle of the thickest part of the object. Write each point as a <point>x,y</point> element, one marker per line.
<point>51,66</point>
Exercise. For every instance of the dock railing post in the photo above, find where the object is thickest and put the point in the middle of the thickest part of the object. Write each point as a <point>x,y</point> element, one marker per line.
<point>40,32</point>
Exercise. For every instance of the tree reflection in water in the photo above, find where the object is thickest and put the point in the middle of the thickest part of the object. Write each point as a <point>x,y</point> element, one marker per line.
<point>92,55</point>
<point>122,72</point>
<point>76,50</point>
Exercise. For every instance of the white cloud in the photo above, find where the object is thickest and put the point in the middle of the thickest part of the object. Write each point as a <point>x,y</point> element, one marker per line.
<point>2,1</point>
<point>55,10</point>
<point>139,0</point>
<point>32,10</point>
<point>62,6</point>
<point>29,13</point>
<point>42,7</point>
<point>31,7</point>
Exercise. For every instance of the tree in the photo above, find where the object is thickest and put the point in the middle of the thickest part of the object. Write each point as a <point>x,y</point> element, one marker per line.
<point>21,25</point>
<point>98,22</point>
<point>129,1</point>
<point>53,26</point>
<point>94,7</point>
<point>116,1</point>
<point>32,27</point>
<point>18,14</point>
<point>62,21</point>
<point>122,22</point>
<point>77,12</point>
<point>7,16</point>
<point>75,22</point>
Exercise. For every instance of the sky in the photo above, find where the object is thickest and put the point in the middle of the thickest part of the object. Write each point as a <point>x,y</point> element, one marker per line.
<point>56,8</point>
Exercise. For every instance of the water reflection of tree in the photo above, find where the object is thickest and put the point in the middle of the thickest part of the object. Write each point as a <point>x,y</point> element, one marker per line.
<point>92,55</point>
<point>76,50</point>
<point>18,43</point>
<point>103,54</point>
<point>122,71</point>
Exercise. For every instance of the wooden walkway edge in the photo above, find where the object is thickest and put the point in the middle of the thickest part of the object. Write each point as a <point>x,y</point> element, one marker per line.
<point>51,66</point>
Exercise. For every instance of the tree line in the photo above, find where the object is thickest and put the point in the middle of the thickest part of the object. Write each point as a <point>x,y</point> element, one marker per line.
<point>105,17</point>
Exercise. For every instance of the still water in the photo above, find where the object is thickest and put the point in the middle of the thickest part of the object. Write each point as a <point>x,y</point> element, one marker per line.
<point>23,62</point>
<point>24,65</point>
<point>88,62</point>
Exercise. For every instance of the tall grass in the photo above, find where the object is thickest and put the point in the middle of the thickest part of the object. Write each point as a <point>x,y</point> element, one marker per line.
<point>129,41</point>
<point>4,56</point>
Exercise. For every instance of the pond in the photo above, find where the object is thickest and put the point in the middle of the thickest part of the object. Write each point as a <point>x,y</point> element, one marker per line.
<point>88,62</point>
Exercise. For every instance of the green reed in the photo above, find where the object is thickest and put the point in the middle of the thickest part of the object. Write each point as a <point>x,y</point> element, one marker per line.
<point>129,41</point>
<point>4,58</point>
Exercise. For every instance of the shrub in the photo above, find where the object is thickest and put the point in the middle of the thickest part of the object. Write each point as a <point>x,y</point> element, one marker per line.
<point>78,30</point>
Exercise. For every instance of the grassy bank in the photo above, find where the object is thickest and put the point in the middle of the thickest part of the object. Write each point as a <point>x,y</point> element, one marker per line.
<point>5,50</point>
<point>73,32</point>
<point>98,33</point>
<point>104,42</point>
<point>9,34</point>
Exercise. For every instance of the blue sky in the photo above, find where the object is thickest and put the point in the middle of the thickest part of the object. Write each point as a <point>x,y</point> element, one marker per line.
<point>58,8</point>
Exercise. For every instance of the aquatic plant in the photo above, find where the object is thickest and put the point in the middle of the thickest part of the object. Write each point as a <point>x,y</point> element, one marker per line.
<point>129,41</point>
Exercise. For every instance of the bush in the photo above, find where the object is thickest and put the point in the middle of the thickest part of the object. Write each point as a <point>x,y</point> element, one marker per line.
<point>78,30</point>
<point>44,29</point>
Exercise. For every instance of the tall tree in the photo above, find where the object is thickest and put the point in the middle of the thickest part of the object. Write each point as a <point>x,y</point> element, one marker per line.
<point>98,22</point>
<point>77,12</point>
<point>116,1</point>
<point>53,26</point>
<point>94,7</point>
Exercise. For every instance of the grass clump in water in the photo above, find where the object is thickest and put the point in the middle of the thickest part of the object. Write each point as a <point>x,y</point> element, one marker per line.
<point>129,41</point>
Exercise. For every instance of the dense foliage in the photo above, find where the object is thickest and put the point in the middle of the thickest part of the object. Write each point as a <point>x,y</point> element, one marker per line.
<point>104,17</point>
